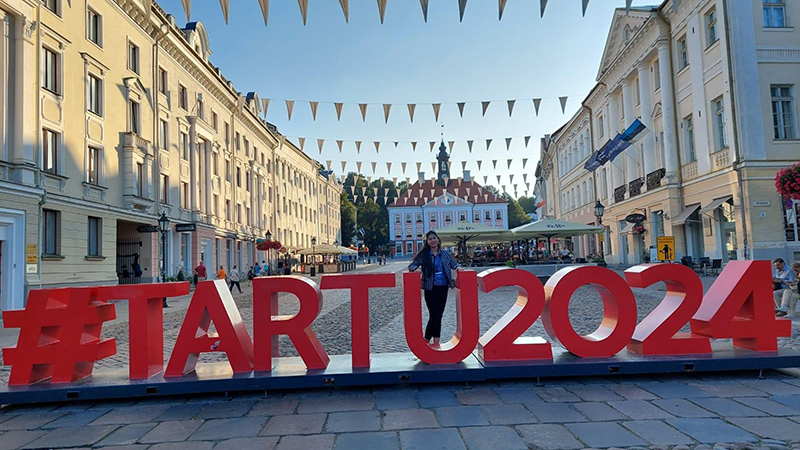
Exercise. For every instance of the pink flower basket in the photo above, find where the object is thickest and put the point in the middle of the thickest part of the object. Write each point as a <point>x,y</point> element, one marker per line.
<point>787,182</point>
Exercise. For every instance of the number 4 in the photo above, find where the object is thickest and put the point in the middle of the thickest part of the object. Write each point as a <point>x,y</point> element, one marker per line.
<point>739,305</point>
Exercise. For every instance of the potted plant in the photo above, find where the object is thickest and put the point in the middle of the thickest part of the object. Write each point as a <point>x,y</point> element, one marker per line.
<point>787,182</point>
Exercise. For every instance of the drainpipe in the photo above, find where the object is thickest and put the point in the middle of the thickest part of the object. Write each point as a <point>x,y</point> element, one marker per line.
<point>734,123</point>
<point>162,33</point>
<point>38,143</point>
<point>594,173</point>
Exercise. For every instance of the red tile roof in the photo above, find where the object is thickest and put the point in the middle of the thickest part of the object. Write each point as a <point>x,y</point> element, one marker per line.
<point>470,191</point>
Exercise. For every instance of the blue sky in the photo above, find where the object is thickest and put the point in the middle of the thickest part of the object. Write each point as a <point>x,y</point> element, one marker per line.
<point>409,61</point>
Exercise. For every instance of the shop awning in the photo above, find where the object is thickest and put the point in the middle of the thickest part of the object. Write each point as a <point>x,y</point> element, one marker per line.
<point>715,204</point>
<point>628,228</point>
<point>680,219</point>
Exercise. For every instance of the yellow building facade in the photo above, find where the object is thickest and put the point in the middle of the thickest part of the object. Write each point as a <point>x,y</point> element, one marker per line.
<point>111,116</point>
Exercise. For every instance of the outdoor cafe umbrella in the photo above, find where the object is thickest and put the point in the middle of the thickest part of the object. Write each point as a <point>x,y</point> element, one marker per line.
<point>550,228</point>
<point>324,249</point>
<point>461,233</point>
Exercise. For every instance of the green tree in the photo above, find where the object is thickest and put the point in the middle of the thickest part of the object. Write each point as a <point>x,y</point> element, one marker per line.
<point>516,215</point>
<point>348,216</point>
<point>528,204</point>
<point>375,221</point>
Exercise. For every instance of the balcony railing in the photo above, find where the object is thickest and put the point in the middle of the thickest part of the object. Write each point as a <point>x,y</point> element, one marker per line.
<point>720,159</point>
<point>689,171</point>
<point>635,187</point>
<point>654,179</point>
<point>619,193</point>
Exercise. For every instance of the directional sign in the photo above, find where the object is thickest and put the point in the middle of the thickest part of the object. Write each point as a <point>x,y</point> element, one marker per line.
<point>666,248</point>
<point>147,229</point>
<point>184,227</point>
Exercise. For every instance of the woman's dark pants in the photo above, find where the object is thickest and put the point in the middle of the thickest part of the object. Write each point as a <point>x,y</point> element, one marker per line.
<point>235,283</point>
<point>435,299</point>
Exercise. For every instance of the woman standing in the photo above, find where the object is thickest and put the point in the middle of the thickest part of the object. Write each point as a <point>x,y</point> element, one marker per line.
<point>437,265</point>
<point>234,277</point>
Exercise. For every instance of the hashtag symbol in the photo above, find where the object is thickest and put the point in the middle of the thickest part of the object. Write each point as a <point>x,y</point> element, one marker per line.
<point>59,337</point>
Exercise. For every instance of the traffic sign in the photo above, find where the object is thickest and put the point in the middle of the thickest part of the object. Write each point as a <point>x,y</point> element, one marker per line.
<point>666,248</point>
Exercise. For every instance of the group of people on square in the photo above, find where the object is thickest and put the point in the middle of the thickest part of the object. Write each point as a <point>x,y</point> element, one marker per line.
<point>234,278</point>
<point>785,281</point>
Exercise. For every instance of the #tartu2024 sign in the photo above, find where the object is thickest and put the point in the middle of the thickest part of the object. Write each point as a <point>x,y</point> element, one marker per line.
<point>60,329</point>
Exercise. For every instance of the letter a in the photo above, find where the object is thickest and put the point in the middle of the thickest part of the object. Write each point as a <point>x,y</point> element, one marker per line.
<point>267,328</point>
<point>212,301</point>
<point>467,324</point>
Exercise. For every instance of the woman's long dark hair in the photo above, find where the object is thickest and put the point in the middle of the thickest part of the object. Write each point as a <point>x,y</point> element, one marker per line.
<point>425,252</point>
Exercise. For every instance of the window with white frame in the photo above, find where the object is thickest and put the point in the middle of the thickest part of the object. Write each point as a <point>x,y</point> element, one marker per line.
<point>477,216</point>
<point>51,70</point>
<point>448,216</point>
<point>688,139</point>
<point>600,126</point>
<point>214,121</point>
<point>657,75</point>
<point>95,237</point>
<point>720,134</point>
<point>94,27</point>
<point>498,214</point>
<point>52,5</point>
<point>50,151</point>
<point>712,35</point>
<point>93,165</point>
<point>51,225</point>
<point>184,143</point>
<point>683,53</point>
<point>134,117</point>
<point>95,94</point>
<point>774,13</point>
<point>133,57</point>
<point>397,218</point>
<point>185,196</point>
<point>164,199</point>
<point>163,132</point>
<point>488,215</point>
<point>783,112</point>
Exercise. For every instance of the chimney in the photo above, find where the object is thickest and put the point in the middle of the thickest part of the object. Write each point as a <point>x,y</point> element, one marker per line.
<point>421,177</point>
<point>466,176</point>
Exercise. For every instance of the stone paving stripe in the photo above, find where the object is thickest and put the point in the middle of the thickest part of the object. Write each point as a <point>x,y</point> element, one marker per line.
<point>18,438</point>
<point>405,419</point>
<point>556,413</point>
<point>354,402</point>
<point>682,408</point>
<point>202,445</point>
<point>549,437</point>
<point>129,415</point>
<point>75,419</point>
<point>294,424</point>
<point>316,442</point>
<point>129,447</point>
<point>72,437</point>
<point>492,438</point>
<point>555,394</point>
<point>436,398</point>
<point>632,392</point>
<point>773,387</point>
<point>229,410</point>
<point>671,390</point>
<point>726,407</point>
<point>718,388</point>
<point>792,401</point>
<point>517,395</point>
<point>657,432</point>
<point>260,443</point>
<point>180,412</point>
<point>597,412</point>
<point>594,393</point>
<point>512,414</point>
<point>172,431</point>
<point>128,434</point>
<point>441,439</point>
<point>461,416</point>
<point>769,427</point>
<point>711,431</point>
<point>478,396</point>
<point>770,407</point>
<point>274,407</point>
<point>347,422</point>
<point>30,421</point>
<point>385,440</point>
<point>605,434</point>
<point>220,429</point>
<point>395,400</point>
<point>640,409</point>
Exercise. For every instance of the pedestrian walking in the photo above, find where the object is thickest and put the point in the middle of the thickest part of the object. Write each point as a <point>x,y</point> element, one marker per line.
<point>437,279</point>
<point>221,275</point>
<point>234,279</point>
<point>256,270</point>
<point>202,273</point>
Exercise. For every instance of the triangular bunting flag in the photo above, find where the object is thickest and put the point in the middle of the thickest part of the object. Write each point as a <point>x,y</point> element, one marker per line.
<point>411,108</point>
<point>358,166</point>
<point>339,144</point>
<point>320,143</point>
<point>424,4</point>
<point>328,164</point>
<point>387,107</point>
<point>403,165</point>
<point>413,146</point>
<point>433,168</point>
<point>536,103</point>
<point>385,200</point>
<point>469,144</point>
<point>488,143</point>
<point>563,101</point>
<point>511,177</point>
<point>377,146</point>
<point>527,139</point>
<point>501,6</point>
<point>363,107</point>
<point>374,165</point>
<point>461,108</point>
<point>395,144</point>
<point>314,106</point>
<point>628,4</point>
<point>419,167</point>
<point>344,165</point>
<point>302,143</point>
<point>485,180</point>
<point>462,5</point>
<point>303,9</point>
<point>408,180</point>
<point>265,106</point>
<point>375,192</point>
<point>338,107</point>
<point>363,188</point>
<point>479,164</point>
<point>543,4</point>
<point>358,146</point>
<point>498,179</point>
<point>508,143</point>
<point>525,177</point>
<point>463,165</point>
<point>511,107</point>
<point>484,107</point>
<point>345,9</point>
<point>524,161</point>
<point>382,9</point>
<point>289,108</point>
<point>433,144</point>
<point>187,8</point>
<point>585,5</point>
<point>394,180</point>
<point>450,145</point>
<point>436,107</point>
<point>509,163</point>
<point>486,197</point>
<point>494,163</point>
<point>388,167</point>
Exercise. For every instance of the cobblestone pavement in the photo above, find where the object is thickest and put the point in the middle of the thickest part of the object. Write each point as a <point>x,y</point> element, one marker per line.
<point>703,411</point>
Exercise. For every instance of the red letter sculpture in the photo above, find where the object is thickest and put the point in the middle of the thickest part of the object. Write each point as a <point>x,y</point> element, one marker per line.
<point>59,336</point>
<point>212,301</point>
<point>359,286</point>
<point>658,333</point>
<point>619,311</point>
<point>503,342</point>
<point>467,325</point>
<point>267,327</point>
<point>739,305</point>
<point>145,323</point>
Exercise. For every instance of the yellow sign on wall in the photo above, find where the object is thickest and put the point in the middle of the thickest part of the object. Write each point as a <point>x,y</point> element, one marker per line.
<point>666,248</point>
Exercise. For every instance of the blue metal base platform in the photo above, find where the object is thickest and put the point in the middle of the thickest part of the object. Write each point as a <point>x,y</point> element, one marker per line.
<point>388,369</point>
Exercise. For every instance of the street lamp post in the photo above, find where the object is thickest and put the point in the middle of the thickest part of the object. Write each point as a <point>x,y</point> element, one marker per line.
<point>269,253</point>
<point>163,229</point>
<point>599,209</point>
<point>313,270</point>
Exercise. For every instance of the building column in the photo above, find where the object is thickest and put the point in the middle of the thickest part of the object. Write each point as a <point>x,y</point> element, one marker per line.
<point>207,180</point>
<point>251,179</point>
<point>672,162</point>
<point>616,166</point>
<point>646,97</point>
<point>631,153</point>
<point>194,185</point>
<point>22,119</point>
